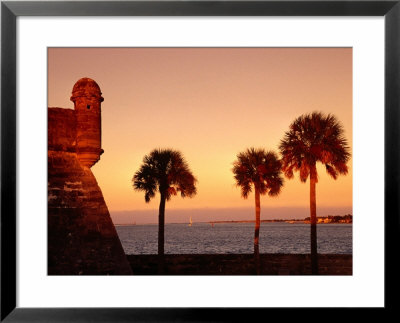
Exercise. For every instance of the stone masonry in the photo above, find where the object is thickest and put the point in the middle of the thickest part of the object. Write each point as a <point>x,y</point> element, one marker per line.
<point>82,239</point>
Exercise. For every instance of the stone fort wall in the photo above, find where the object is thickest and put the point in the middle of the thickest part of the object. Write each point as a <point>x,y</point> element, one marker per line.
<point>242,264</point>
<point>82,239</point>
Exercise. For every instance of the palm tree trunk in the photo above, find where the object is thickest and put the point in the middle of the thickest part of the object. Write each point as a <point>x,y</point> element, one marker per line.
<point>257,232</point>
<point>161,225</point>
<point>313,220</point>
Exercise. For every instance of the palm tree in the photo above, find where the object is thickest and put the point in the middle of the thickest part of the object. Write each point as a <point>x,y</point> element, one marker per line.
<point>261,170</point>
<point>313,138</point>
<point>165,171</point>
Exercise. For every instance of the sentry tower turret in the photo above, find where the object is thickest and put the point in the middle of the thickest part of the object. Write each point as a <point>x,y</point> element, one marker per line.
<point>87,99</point>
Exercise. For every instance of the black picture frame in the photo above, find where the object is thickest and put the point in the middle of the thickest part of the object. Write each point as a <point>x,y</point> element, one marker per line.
<point>11,10</point>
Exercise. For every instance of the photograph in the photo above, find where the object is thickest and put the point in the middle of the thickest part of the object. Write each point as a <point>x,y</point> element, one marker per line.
<point>205,159</point>
<point>200,161</point>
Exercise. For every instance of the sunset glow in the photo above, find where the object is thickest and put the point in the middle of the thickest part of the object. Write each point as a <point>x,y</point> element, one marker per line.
<point>210,104</point>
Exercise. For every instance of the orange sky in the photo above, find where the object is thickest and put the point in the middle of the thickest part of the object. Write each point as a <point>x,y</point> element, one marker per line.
<point>209,103</point>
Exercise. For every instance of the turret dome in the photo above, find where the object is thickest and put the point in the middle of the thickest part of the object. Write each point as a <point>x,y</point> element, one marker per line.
<point>86,87</point>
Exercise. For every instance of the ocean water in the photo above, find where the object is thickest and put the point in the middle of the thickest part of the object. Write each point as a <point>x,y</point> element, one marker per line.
<point>225,238</point>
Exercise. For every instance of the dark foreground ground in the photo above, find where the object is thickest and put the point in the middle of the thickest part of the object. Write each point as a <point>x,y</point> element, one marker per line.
<point>241,264</point>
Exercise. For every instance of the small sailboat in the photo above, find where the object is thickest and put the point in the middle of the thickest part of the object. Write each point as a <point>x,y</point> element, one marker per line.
<point>190,221</point>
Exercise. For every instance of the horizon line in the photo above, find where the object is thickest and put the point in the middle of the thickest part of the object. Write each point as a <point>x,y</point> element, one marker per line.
<point>236,221</point>
<point>240,207</point>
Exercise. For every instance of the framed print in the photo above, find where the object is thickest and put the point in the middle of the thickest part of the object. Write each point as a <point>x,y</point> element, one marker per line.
<point>206,80</point>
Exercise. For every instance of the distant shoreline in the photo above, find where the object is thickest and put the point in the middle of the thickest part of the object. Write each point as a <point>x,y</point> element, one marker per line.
<point>347,219</point>
<point>225,222</point>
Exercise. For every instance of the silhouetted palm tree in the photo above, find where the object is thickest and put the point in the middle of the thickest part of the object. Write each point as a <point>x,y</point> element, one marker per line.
<point>314,138</point>
<point>165,171</point>
<point>261,170</point>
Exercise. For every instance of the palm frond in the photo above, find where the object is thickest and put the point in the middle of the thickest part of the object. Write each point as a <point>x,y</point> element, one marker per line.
<point>314,138</point>
<point>167,171</point>
<point>257,168</point>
